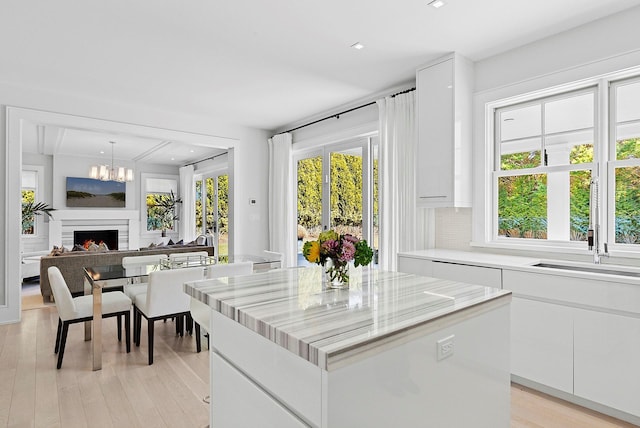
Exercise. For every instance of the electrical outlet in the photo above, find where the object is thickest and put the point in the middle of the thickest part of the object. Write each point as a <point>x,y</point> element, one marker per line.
<point>445,347</point>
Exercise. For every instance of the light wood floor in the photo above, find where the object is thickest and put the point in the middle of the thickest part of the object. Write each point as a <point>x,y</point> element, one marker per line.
<point>129,393</point>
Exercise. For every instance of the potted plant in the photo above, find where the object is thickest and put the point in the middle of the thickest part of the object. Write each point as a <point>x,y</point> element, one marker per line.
<point>166,206</point>
<point>30,210</point>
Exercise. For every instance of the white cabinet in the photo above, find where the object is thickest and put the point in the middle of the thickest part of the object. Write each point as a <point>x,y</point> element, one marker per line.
<point>255,408</point>
<point>444,97</point>
<point>479,275</point>
<point>607,356</point>
<point>542,343</point>
<point>414,265</point>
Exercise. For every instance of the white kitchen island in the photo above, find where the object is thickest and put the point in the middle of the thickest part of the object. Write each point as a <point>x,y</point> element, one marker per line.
<point>393,350</point>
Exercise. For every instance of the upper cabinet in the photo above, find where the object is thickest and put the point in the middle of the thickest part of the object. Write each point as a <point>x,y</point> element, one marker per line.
<point>444,90</point>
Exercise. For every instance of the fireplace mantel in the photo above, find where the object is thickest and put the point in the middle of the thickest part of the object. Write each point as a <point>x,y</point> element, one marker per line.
<point>64,222</point>
<point>99,214</point>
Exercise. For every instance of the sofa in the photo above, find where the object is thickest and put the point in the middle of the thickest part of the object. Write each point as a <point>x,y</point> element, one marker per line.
<point>72,264</point>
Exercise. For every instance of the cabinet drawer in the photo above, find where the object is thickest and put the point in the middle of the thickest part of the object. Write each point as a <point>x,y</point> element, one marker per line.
<point>284,375</point>
<point>489,277</point>
<point>415,266</point>
<point>255,408</point>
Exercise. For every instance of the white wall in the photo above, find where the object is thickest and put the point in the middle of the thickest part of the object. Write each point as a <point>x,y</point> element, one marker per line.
<point>604,46</point>
<point>251,161</point>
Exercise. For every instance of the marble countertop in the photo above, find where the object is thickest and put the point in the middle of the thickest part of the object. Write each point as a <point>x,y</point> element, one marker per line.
<point>586,270</point>
<point>476,258</point>
<point>291,308</point>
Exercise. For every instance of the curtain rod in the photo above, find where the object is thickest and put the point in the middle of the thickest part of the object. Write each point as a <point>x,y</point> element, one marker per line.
<point>206,159</point>
<point>337,115</point>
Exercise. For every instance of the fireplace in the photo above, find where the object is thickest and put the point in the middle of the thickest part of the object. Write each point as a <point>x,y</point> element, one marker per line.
<point>86,237</point>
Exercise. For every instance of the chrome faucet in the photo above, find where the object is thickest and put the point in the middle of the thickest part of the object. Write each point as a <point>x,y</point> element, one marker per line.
<point>593,234</point>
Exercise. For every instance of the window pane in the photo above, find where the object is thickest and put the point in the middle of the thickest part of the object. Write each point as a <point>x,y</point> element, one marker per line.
<point>28,223</point>
<point>520,159</point>
<point>628,149</point>
<point>579,202</point>
<point>628,102</point>
<point>223,218</point>
<point>569,114</point>
<point>199,218</point>
<point>521,123</point>
<point>628,205</point>
<point>309,202</point>
<point>346,192</point>
<point>627,115</point>
<point>522,206</point>
<point>159,217</point>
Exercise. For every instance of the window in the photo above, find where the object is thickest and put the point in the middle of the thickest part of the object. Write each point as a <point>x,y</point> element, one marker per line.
<point>556,175</point>
<point>625,164</point>
<point>32,185</point>
<point>159,195</point>
<point>29,195</point>
<point>346,199</point>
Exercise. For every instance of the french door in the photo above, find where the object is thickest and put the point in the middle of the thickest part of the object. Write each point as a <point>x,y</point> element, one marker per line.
<point>337,189</point>
<point>212,211</point>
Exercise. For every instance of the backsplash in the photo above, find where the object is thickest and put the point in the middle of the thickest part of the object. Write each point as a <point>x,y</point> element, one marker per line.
<point>453,228</point>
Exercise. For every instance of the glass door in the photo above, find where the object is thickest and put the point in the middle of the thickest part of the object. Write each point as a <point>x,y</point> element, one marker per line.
<point>309,201</point>
<point>215,194</point>
<point>336,189</point>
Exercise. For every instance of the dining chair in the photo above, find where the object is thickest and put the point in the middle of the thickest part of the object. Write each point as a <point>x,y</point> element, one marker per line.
<point>164,298</point>
<point>73,310</point>
<point>200,312</point>
<point>133,290</point>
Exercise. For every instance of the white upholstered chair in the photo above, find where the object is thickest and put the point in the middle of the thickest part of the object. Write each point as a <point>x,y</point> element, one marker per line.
<point>132,290</point>
<point>164,298</point>
<point>200,312</point>
<point>79,309</point>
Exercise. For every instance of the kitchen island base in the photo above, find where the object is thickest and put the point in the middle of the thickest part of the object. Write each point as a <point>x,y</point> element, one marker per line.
<point>397,381</point>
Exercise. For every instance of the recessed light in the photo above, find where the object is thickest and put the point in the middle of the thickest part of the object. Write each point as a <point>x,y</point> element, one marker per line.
<point>357,45</point>
<point>191,151</point>
<point>173,158</point>
<point>437,3</point>
<point>101,152</point>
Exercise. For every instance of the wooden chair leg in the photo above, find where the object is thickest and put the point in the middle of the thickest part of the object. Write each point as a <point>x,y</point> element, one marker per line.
<point>198,344</point>
<point>63,342</point>
<point>58,335</point>
<point>150,328</point>
<point>138,322</point>
<point>127,330</point>
<point>119,327</point>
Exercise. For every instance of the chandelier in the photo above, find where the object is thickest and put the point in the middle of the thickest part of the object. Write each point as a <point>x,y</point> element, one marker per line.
<point>111,173</point>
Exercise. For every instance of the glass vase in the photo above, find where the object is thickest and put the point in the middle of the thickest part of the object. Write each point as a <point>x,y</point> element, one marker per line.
<point>337,273</point>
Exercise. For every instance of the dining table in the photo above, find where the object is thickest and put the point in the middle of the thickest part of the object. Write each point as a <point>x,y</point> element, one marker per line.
<point>117,276</point>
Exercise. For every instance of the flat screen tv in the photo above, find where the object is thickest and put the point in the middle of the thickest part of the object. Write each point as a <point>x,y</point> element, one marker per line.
<point>90,193</point>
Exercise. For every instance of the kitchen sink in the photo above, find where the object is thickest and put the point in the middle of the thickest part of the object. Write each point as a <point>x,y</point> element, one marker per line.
<point>603,269</point>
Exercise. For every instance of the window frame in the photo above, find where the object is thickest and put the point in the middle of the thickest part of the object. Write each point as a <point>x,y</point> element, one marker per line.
<point>38,225</point>
<point>604,165</point>
<point>144,177</point>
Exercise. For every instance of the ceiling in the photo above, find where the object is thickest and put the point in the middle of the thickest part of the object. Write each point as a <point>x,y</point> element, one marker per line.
<point>261,64</point>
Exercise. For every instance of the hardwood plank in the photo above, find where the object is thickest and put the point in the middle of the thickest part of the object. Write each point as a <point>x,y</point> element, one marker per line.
<point>22,411</point>
<point>128,392</point>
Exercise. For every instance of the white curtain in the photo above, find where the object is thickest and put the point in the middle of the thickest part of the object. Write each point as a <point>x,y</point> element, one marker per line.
<point>188,206</point>
<point>398,150</point>
<point>281,204</point>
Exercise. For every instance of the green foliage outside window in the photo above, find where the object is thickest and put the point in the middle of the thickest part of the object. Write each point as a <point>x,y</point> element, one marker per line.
<point>522,200</point>
<point>28,222</point>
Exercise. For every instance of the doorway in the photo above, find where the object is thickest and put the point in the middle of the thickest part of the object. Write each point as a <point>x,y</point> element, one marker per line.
<point>337,188</point>
<point>212,216</point>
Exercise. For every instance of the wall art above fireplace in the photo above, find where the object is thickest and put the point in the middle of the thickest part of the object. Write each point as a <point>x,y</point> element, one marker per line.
<point>87,192</point>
